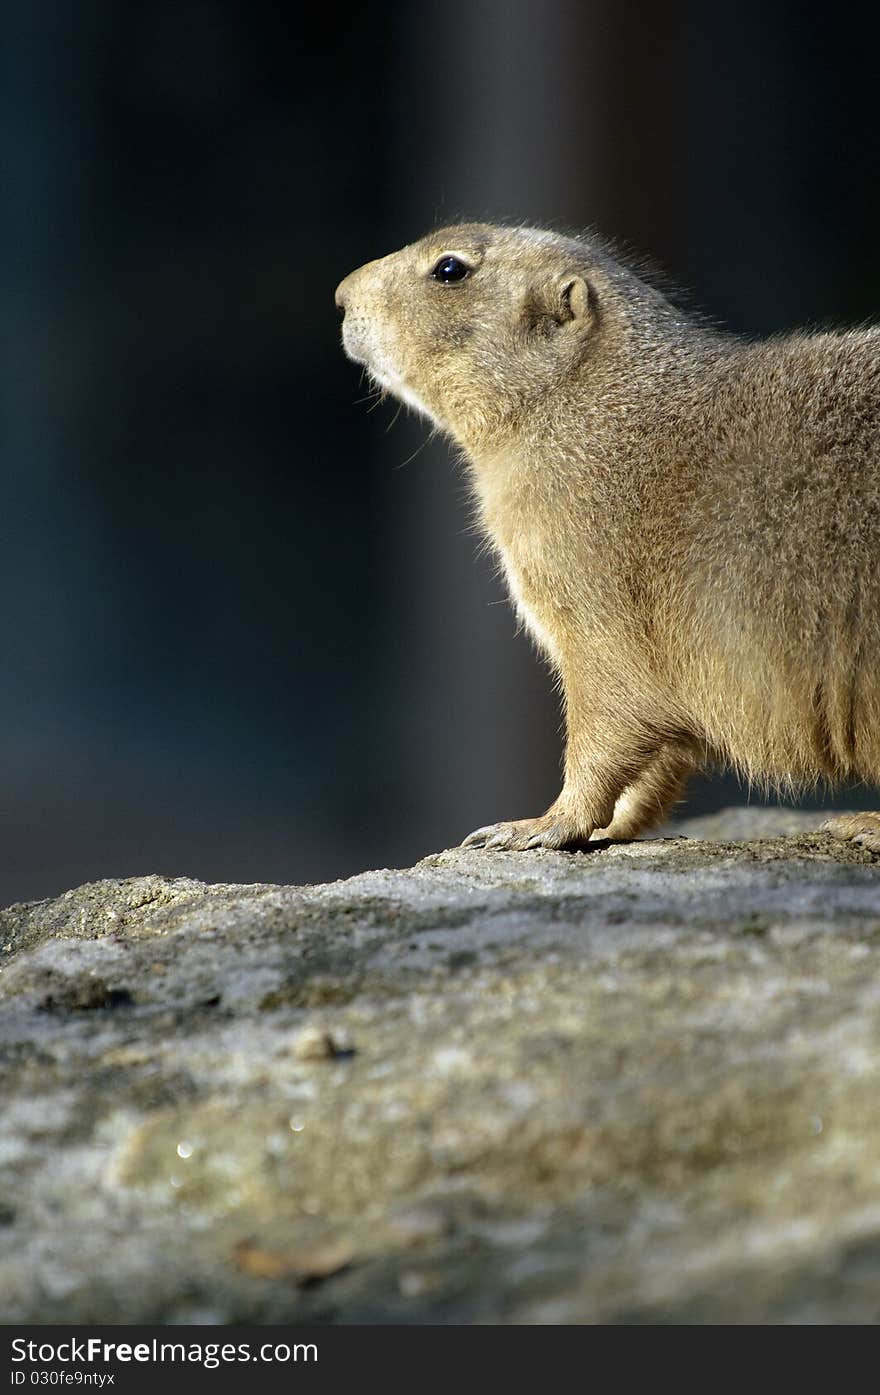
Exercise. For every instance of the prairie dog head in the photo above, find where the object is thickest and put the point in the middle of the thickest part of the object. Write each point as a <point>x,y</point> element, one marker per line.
<point>472,323</point>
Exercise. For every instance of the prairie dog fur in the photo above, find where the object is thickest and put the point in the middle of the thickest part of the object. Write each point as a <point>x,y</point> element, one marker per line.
<point>689,523</point>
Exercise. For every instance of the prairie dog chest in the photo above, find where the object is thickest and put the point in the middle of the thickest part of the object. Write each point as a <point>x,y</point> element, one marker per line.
<point>524,527</point>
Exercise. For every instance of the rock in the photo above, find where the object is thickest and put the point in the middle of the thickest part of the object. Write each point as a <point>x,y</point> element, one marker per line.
<point>632,1085</point>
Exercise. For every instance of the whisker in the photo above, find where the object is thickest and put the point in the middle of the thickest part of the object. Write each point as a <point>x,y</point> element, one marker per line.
<point>418,450</point>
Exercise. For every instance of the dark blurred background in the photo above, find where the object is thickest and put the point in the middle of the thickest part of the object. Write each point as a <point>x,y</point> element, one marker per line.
<point>246,634</point>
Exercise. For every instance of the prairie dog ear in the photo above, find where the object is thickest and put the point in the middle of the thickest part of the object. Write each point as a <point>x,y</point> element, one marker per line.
<point>576,301</point>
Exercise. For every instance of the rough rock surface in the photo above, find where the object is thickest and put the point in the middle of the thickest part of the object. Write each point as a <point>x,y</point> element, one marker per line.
<point>639,1084</point>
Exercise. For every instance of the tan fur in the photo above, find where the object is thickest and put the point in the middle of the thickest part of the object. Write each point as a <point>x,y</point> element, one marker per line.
<point>689,523</point>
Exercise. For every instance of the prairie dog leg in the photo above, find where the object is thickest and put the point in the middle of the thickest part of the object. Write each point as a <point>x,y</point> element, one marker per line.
<point>649,799</point>
<point>863,829</point>
<point>604,757</point>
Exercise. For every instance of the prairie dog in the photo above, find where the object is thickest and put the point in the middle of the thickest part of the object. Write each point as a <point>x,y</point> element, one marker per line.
<point>689,523</point>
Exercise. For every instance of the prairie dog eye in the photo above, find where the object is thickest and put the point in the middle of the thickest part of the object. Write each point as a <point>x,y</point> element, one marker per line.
<point>449,270</point>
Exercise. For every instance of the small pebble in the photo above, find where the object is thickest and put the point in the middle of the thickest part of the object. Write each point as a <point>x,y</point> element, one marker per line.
<point>314,1044</point>
<point>414,1283</point>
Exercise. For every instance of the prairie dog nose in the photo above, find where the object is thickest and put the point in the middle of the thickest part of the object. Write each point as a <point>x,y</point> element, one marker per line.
<point>341,291</point>
<point>346,288</point>
<point>369,280</point>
